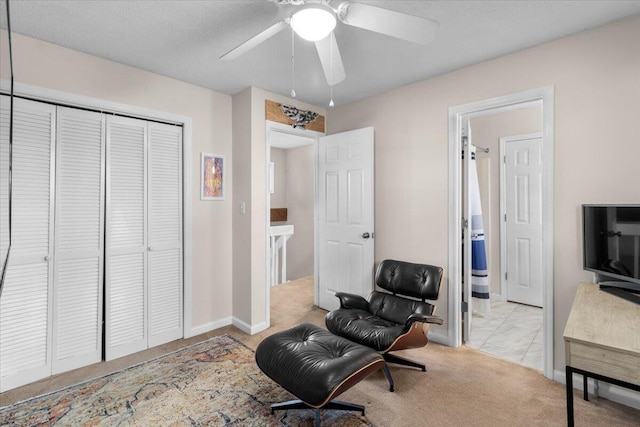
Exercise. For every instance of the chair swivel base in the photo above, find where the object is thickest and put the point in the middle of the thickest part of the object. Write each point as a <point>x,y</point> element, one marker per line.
<point>333,404</point>
<point>391,358</point>
<point>387,374</point>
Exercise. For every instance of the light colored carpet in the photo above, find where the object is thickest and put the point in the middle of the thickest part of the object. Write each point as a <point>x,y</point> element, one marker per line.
<point>462,386</point>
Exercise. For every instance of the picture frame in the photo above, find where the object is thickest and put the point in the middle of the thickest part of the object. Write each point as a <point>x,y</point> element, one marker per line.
<point>212,177</point>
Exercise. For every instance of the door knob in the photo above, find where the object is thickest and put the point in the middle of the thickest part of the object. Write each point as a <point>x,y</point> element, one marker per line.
<point>47,258</point>
<point>150,248</point>
<point>365,235</point>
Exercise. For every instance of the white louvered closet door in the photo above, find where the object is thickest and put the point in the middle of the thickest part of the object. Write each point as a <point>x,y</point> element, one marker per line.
<point>126,240</point>
<point>165,233</point>
<point>78,257</point>
<point>25,306</point>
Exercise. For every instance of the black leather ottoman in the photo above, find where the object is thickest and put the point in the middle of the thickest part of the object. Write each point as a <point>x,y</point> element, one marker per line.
<point>315,366</point>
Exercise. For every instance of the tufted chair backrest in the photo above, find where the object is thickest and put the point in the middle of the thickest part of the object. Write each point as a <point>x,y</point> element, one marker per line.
<point>396,309</point>
<point>404,278</point>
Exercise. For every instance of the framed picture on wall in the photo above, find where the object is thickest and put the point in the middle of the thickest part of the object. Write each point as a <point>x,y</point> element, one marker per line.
<point>212,177</point>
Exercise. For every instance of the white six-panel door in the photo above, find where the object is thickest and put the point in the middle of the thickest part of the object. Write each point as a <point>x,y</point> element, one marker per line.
<point>79,231</point>
<point>25,306</point>
<point>523,221</point>
<point>345,210</point>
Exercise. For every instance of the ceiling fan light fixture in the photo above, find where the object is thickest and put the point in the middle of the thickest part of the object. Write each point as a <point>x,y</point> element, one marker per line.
<point>313,23</point>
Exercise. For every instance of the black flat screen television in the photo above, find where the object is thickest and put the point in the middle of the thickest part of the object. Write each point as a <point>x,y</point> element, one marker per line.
<point>611,247</point>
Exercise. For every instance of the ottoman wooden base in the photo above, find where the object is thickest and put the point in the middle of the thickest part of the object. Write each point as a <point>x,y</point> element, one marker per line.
<point>315,366</point>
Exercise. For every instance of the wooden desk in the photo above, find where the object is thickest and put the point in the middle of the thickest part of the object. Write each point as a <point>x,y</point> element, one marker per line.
<point>602,341</point>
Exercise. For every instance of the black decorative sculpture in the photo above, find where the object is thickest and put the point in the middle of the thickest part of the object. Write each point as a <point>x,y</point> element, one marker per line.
<point>300,118</point>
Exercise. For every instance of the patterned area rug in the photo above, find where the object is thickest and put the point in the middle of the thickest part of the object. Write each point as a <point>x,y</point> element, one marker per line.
<point>213,383</point>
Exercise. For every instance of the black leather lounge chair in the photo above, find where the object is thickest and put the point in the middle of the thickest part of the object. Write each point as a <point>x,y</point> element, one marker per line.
<point>393,320</point>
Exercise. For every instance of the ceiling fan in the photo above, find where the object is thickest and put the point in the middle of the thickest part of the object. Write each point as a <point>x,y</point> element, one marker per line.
<point>315,20</point>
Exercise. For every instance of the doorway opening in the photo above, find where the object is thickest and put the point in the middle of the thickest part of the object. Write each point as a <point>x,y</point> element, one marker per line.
<point>475,121</point>
<point>504,182</point>
<point>343,208</point>
<point>291,211</point>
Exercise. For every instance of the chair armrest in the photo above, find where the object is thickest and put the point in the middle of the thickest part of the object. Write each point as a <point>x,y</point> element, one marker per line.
<point>419,317</point>
<point>352,301</point>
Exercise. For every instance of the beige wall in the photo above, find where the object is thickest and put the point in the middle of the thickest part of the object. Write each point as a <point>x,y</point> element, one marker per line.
<point>300,202</point>
<point>242,194</point>
<point>486,132</point>
<point>53,67</point>
<point>279,196</point>
<point>250,259</point>
<point>596,75</point>
<point>294,190</point>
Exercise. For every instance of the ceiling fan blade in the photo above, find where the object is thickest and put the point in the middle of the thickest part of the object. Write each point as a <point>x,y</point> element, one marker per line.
<point>406,27</point>
<point>255,41</point>
<point>333,69</point>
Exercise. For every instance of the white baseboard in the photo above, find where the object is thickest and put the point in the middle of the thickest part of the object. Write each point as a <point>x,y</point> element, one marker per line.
<point>608,391</point>
<point>438,338</point>
<point>247,328</point>
<point>207,327</point>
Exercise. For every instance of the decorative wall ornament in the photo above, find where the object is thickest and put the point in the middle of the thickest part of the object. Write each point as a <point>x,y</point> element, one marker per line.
<point>301,118</point>
<point>297,118</point>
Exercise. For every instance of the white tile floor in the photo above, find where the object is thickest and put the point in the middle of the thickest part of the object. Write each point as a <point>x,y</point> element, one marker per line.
<point>511,331</point>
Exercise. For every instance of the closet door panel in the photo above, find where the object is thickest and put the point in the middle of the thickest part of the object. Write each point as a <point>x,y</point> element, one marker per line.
<point>126,249</point>
<point>26,303</point>
<point>127,302</point>
<point>78,259</point>
<point>165,233</point>
<point>4,178</point>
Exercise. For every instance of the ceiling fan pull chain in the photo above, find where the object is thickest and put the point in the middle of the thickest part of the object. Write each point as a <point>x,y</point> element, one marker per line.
<point>293,73</point>
<point>331,104</point>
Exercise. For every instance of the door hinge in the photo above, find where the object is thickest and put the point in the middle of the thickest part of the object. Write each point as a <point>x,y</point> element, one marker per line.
<point>465,223</point>
<point>465,306</point>
<point>505,217</point>
<point>506,275</point>
<point>504,159</point>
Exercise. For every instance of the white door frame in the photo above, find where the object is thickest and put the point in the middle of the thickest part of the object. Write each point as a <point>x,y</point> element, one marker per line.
<point>72,100</point>
<point>271,127</point>
<point>503,206</point>
<point>485,107</point>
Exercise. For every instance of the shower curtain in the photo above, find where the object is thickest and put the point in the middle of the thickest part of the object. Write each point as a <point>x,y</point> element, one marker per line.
<point>479,272</point>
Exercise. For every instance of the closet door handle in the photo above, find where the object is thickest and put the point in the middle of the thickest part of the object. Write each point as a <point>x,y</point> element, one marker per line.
<point>47,257</point>
<point>150,248</point>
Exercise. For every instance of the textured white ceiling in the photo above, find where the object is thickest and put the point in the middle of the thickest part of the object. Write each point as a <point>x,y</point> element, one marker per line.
<point>184,39</point>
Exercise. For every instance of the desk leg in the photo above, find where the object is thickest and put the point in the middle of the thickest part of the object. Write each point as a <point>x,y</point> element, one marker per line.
<point>569,373</point>
<point>586,388</point>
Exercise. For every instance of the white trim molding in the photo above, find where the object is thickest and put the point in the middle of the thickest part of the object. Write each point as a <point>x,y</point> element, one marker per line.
<point>211,326</point>
<point>80,101</point>
<point>247,328</point>
<point>437,338</point>
<point>492,106</point>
